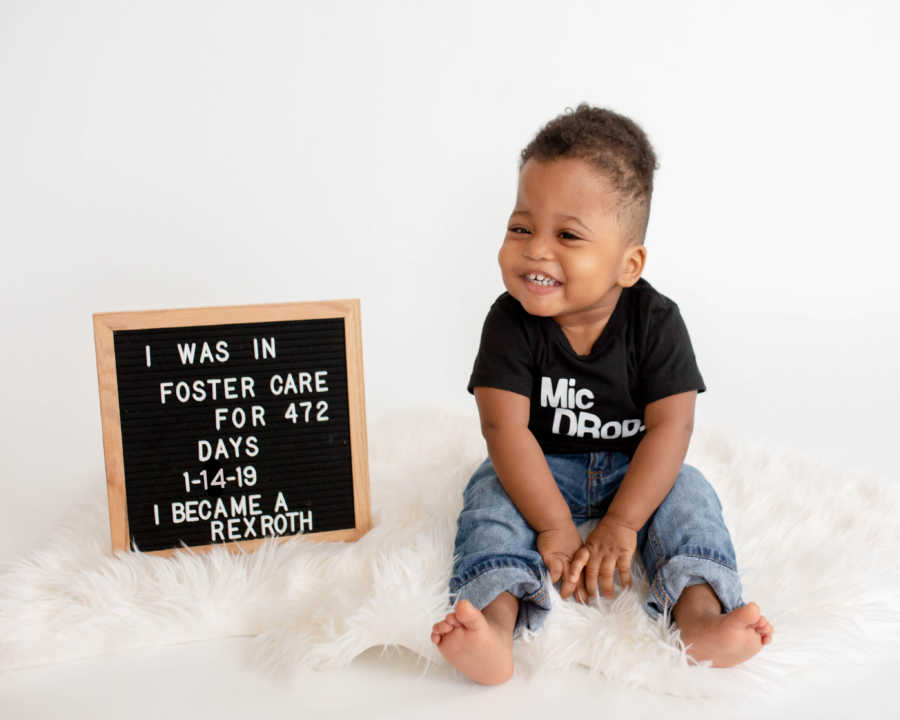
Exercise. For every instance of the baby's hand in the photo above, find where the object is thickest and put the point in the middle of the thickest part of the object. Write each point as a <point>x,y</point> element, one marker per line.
<point>557,548</point>
<point>610,546</point>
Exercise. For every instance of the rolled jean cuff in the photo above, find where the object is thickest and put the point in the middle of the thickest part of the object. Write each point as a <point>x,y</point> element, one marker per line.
<point>486,580</point>
<point>681,572</point>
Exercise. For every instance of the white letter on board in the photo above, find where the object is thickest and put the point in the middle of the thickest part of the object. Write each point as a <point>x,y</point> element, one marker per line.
<point>234,528</point>
<point>254,505</point>
<point>186,352</point>
<point>306,518</point>
<point>216,527</point>
<point>230,392</point>
<point>259,416</point>
<point>204,450</point>
<point>247,386</point>
<point>199,394</point>
<point>275,385</point>
<point>221,414</point>
<point>177,513</point>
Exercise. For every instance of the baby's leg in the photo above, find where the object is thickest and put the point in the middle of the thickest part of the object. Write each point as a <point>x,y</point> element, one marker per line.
<point>685,541</point>
<point>479,644</point>
<point>497,582</point>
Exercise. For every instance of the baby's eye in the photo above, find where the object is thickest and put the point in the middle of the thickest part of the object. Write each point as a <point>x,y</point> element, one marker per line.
<point>566,235</point>
<point>517,229</point>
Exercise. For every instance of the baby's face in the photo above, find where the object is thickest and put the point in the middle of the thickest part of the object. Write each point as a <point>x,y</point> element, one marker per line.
<point>565,255</point>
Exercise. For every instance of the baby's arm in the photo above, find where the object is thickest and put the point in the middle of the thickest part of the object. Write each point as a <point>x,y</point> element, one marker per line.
<point>525,476</point>
<point>649,478</point>
<point>656,461</point>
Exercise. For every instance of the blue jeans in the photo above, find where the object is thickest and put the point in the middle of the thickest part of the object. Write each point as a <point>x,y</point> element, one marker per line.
<point>685,541</point>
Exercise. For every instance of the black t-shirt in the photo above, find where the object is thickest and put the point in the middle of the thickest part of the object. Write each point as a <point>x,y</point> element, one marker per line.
<point>593,402</point>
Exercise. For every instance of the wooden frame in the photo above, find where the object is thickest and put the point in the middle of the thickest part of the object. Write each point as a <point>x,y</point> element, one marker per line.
<point>105,324</point>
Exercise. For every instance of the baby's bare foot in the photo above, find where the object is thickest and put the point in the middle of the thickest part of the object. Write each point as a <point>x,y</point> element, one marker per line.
<point>474,646</point>
<point>727,640</point>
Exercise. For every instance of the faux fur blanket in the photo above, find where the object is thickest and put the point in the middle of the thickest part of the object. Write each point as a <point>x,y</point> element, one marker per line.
<point>816,549</point>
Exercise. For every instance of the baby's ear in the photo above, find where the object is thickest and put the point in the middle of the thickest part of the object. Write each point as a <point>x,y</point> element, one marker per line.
<point>632,265</point>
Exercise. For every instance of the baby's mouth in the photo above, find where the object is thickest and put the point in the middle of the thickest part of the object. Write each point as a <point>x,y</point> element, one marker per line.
<point>541,280</point>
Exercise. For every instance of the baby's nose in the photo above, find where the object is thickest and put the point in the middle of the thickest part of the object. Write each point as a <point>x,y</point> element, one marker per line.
<point>537,248</point>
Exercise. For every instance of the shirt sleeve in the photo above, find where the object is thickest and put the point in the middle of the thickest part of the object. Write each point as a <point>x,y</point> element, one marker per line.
<point>668,366</point>
<point>504,358</point>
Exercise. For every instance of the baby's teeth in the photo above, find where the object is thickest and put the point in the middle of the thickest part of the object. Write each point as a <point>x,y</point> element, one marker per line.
<point>540,279</point>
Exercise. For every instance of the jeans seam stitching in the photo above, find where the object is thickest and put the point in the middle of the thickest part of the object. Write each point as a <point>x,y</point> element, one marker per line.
<point>486,570</point>
<point>658,586</point>
<point>726,565</point>
<point>662,594</point>
<point>535,597</point>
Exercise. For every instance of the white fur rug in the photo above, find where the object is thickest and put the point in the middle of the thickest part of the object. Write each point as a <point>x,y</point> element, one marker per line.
<point>816,549</point>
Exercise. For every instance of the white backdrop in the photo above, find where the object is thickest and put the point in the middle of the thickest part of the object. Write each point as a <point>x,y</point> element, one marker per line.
<point>170,154</point>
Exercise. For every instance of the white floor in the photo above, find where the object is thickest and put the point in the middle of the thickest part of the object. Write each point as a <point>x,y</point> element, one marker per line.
<point>213,680</point>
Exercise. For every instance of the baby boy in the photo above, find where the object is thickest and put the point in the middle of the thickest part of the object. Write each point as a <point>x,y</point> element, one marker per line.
<point>585,382</point>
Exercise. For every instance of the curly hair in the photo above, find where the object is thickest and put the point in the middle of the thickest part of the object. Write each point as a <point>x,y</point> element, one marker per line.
<point>616,146</point>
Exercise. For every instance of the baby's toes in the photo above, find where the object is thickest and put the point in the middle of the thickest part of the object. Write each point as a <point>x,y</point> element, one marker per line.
<point>441,628</point>
<point>453,620</point>
<point>440,631</point>
<point>765,629</point>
